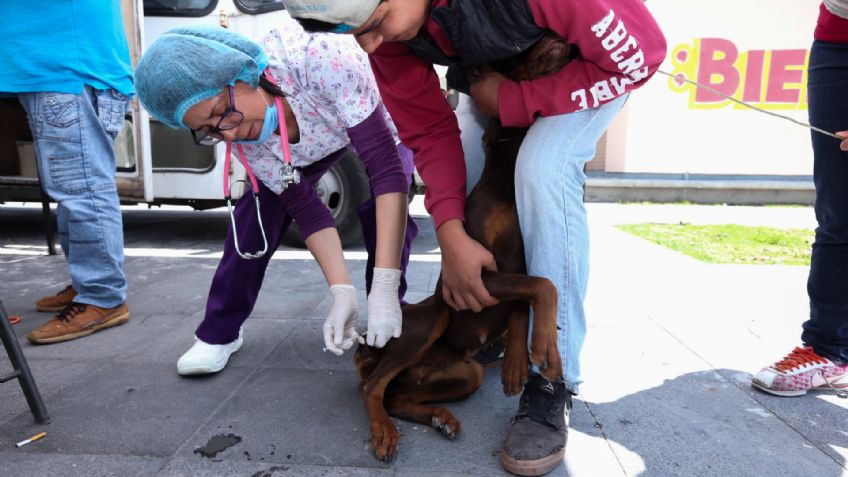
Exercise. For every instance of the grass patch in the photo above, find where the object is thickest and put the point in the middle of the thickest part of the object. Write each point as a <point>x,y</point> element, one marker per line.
<point>736,244</point>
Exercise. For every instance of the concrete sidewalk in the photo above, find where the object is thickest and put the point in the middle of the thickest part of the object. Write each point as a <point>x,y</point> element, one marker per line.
<point>667,363</point>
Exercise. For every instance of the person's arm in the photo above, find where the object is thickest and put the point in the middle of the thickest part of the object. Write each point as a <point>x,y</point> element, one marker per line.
<point>426,124</point>
<point>344,85</point>
<point>317,228</point>
<point>326,247</point>
<point>621,47</point>
<point>375,144</point>
<point>340,325</point>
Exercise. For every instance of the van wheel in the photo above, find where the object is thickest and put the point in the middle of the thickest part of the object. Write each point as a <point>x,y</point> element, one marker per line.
<point>341,189</point>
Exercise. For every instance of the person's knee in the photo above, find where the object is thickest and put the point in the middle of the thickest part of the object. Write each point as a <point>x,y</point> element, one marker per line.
<point>545,175</point>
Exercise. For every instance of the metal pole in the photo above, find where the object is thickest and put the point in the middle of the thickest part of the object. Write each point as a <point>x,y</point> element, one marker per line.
<point>22,372</point>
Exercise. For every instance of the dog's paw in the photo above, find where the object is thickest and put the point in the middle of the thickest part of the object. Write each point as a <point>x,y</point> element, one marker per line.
<point>514,372</point>
<point>446,424</point>
<point>544,353</point>
<point>384,440</point>
<point>516,366</point>
<point>552,370</point>
<point>514,377</point>
<point>551,367</point>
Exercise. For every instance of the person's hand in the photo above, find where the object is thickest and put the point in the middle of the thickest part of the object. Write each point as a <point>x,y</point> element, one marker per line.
<point>463,259</point>
<point>485,91</point>
<point>340,325</point>
<point>384,315</point>
<point>844,144</point>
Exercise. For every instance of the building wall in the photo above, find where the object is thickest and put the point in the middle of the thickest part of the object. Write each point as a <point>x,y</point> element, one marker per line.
<point>756,51</point>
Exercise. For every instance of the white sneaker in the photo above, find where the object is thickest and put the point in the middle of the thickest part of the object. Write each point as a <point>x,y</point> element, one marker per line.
<point>205,358</point>
<point>800,371</point>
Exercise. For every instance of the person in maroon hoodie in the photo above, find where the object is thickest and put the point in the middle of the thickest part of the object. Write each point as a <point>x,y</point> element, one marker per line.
<point>620,47</point>
<point>821,362</point>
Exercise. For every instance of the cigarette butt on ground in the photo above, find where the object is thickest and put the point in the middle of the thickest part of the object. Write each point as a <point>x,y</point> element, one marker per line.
<point>31,439</point>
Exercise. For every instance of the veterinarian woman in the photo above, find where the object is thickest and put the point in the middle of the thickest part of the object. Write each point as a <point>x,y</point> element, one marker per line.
<point>620,47</point>
<point>319,91</point>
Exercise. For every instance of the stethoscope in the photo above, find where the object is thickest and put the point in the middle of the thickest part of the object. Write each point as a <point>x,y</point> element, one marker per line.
<point>289,175</point>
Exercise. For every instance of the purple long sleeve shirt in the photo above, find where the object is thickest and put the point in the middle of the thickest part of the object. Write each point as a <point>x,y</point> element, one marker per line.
<point>388,166</point>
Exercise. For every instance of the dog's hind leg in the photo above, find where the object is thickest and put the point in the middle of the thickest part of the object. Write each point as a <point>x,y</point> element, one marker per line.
<point>541,293</point>
<point>422,325</point>
<point>457,381</point>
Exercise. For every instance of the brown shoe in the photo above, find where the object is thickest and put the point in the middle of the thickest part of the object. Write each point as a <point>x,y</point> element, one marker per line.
<point>78,320</point>
<point>56,302</point>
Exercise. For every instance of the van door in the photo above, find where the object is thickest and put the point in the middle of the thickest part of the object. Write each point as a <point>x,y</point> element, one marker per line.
<point>134,173</point>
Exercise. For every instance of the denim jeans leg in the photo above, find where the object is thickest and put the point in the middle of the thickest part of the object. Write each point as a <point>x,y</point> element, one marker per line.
<point>62,227</point>
<point>472,123</point>
<point>827,329</point>
<point>549,182</point>
<point>73,136</point>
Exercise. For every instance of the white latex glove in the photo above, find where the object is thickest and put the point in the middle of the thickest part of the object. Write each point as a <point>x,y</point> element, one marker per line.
<point>384,317</point>
<point>340,325</point>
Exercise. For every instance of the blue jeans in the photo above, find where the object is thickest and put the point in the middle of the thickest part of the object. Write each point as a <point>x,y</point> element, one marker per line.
<point>73,136</point>
<point>827,88</point>
<point>549,182</point>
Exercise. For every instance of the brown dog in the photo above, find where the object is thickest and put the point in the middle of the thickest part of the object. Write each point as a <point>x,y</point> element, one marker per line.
<point>432,360</point>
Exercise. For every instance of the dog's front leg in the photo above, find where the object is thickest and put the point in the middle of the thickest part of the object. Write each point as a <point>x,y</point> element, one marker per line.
<point>543,344</point>
<point>515,368</point>
<point>384,434</point>
<point>541,293</point>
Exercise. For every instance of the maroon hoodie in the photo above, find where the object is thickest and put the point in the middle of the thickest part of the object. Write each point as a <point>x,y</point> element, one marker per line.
<point>620,46</point>
<point>831,28</point>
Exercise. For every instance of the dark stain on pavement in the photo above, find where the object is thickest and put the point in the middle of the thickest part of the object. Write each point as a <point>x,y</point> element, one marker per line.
<point>217,444</point>
<point>269,472</point>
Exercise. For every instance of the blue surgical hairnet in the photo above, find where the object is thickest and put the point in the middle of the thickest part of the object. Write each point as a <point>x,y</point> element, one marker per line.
<point>187,65</point>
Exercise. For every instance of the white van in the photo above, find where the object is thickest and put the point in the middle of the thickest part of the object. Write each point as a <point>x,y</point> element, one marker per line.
<point>160,165</point>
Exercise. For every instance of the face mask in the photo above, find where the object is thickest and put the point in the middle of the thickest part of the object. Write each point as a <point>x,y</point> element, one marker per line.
<point>269,125</point>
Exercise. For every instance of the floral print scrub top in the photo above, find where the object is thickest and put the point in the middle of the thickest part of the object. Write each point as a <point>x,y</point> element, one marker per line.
<point>328,83</point>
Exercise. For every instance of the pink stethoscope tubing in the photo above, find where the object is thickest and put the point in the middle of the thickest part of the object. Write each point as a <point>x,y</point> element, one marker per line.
<point>284,145</point>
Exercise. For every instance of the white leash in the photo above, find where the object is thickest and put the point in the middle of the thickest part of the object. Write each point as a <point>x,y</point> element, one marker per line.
<point>713,90</point>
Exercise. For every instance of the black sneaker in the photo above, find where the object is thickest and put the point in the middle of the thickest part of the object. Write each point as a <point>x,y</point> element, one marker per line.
<point>536,441</point>
<point>491,356</point>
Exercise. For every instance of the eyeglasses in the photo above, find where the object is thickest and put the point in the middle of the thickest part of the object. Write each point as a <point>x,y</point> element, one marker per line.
<point>229,120</point>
